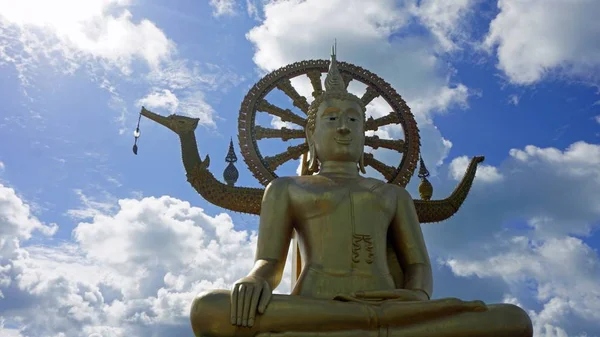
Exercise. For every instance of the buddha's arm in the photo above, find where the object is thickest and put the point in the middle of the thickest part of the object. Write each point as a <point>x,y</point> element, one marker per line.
<point>274,233</point>
<point>408,242</point>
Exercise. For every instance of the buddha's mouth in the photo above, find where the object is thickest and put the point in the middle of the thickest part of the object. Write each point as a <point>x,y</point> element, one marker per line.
<point>344,141</point>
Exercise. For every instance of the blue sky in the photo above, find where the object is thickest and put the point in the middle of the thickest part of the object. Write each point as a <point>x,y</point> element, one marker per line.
<point>108,243</point>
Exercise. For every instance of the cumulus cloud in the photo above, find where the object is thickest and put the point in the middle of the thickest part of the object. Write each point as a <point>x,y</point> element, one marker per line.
<point>73,28</point>
<point>447,20</point>
<point>535,39</point>
<point>485,173</point>
<point>565,272</point>
<point>104,39</point>
<point>132,271</point>
<point>529,231</point>
<point>17,222</point>
<point>299,30</point>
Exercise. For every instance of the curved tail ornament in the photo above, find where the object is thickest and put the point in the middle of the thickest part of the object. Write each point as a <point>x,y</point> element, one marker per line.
<point>248,200</point>
<point>440,210</point>
<point>237,199</point>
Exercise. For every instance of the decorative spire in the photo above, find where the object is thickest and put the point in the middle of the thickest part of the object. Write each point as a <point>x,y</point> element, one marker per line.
<point>231,173</point>
<point>231,157</point>
<point>425,187</point>
<point>334,82</point>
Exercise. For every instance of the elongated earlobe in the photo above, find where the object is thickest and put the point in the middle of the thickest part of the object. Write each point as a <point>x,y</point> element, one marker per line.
<point>313,161</point>
<point>361,164</point>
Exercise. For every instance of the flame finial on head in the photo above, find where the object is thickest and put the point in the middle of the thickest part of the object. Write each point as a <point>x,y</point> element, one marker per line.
<point>334,83</point>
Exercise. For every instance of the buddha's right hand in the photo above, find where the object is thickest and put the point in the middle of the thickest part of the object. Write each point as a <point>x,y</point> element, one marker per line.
<point>250,295</point>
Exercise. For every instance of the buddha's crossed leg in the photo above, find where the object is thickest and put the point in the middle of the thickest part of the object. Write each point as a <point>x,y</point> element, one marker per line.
<point>307,317</point>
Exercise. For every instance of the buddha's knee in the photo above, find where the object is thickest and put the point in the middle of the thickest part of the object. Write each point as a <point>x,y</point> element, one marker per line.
<point>514,316</point>
<point>209,314</point>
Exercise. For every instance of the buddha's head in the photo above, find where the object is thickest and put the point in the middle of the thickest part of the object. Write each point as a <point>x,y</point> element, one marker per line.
<point>335,128</point>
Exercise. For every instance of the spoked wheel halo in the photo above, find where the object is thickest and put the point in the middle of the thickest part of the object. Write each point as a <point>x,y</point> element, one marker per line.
<point>263,167</point>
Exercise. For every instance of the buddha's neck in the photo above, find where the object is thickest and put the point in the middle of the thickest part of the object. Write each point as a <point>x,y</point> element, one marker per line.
<point>339,169</point>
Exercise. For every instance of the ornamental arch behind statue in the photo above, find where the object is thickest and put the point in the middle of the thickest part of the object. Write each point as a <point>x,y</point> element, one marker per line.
<point>248,200</point>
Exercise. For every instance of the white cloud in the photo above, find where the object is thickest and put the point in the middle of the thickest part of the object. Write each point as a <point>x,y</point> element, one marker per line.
<point>132,270</point>
<point>91,207</point>
<point>538,38</point>
<point>598,119</point>
<point>252,9</point>
<point>88,28</point>
<point>160,99</point>
<point>446,20</point>
<point>195,105</point>
<point>580,158</point>
<point>485,173</point>
<point>513,99</point>
<point>17,222</point>
<point>529,232</point>
<point>223,7</point>
<point>2,166</point>
<point>564,270</point>
<point>104,39</point>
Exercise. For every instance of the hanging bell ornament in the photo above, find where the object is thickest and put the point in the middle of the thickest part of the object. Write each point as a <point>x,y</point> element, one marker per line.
<point>136,135</point>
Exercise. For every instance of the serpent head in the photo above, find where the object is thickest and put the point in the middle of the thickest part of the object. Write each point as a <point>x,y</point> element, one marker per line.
<point>176,123</point>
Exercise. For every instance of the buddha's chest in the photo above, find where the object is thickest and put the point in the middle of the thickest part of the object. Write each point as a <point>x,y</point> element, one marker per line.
<point>343,220</point>
<point>360,200</point>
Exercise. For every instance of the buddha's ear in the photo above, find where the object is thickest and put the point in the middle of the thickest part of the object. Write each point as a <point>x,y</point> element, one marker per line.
<point>313,163</point>
<point>361,163</point>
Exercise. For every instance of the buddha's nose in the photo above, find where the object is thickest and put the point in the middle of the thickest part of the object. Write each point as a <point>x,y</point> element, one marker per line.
<point>343,129</point>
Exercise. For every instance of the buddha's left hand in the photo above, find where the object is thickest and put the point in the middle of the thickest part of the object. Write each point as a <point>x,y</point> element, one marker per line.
<point>395,294</point>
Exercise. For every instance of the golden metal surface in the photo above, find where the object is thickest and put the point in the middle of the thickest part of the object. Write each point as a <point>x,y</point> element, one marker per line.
<point>365,270</point>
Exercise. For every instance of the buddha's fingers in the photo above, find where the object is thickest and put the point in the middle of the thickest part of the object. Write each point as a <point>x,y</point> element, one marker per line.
<point>451,305</point>
<point>234,303</point>
<point>247,303</point>
<point>265,298</point>
<point>254,305</point>
<point>240,305</point>
<point>402,312</point>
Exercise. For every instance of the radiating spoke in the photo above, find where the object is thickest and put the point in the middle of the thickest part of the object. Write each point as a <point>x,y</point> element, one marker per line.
<point>374,124</point>
<point>392,144</point>
<point>299,101</point>
<point>286,115</point>
<point>369,95</point>
<point>283,133</point>
<point>315,80</point>
<point>387,171</point>
<point>293,152</point>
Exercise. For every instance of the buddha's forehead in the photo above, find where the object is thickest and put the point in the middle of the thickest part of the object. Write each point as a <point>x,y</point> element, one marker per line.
<point>342,105</point>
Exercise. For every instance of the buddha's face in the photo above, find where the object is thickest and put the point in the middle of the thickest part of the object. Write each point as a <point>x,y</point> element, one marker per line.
<point>339,133</point>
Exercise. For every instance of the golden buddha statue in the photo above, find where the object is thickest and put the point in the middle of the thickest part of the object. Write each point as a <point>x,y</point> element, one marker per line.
<point>348,227</point>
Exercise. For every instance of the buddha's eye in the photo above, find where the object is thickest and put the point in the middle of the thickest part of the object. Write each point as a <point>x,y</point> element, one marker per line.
<point>332,118</point>
<point>352,119</point>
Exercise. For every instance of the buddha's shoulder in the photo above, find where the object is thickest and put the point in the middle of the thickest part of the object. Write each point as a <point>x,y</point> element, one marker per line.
<point>285,183</point>
<point>391,189</point>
